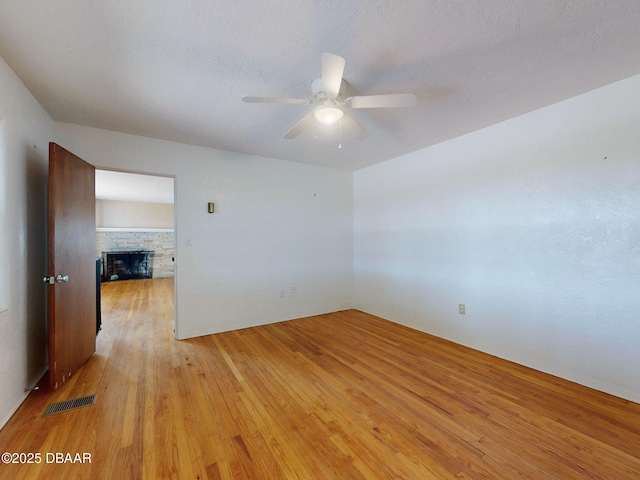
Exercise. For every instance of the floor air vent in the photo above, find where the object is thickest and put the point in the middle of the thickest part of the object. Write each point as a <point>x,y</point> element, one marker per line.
<point>67,405</point>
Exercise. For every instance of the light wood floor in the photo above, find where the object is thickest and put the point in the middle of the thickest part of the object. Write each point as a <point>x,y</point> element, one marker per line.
<point>344,395</point>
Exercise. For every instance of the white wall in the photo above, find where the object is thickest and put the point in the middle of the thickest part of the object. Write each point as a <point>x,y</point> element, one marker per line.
<point>277,225</point>
<point>122,214</point>
<point>25,130</point>
<point>534,224</point>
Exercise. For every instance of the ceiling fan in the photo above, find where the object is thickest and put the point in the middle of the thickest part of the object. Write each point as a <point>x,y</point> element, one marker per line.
<point>330,105</point>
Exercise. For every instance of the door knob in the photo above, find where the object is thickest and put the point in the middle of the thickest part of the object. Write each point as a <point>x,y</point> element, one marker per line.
<point>59,278</point>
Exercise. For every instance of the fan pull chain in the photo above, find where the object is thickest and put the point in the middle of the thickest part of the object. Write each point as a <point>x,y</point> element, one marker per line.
<point>340,140</point>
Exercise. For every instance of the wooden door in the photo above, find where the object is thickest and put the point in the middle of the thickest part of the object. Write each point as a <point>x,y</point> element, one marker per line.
<point>72,264</point>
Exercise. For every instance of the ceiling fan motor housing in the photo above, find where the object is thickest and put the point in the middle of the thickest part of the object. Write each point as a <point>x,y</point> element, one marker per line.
<point>320,97</point>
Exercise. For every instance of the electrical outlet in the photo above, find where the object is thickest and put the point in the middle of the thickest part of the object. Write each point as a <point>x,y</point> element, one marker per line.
<point>282,293</point>
<point>462,310</point>
<point>294,291</point>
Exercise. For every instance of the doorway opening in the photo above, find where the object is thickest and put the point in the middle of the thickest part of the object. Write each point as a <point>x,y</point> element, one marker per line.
<point>135,228</point>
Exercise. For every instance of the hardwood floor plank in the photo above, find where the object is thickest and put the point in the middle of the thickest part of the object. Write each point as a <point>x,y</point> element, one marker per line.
<point>337,396</point>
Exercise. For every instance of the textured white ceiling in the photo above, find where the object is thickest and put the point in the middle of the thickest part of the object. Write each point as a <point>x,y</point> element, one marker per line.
<point>177,69</point>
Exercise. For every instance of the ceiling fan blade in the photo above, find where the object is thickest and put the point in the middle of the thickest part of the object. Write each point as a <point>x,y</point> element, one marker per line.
<point>299,127</point>
<point>332,71</point>
<point>393,100</point>
<point>349,123</point>
<point>292,101</point>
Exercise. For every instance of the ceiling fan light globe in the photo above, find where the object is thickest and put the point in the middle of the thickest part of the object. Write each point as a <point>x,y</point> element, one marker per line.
<point>328,115</point>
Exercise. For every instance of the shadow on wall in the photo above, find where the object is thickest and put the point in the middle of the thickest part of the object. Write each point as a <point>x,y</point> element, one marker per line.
<point>4,300</point>
<point>35,255</point>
